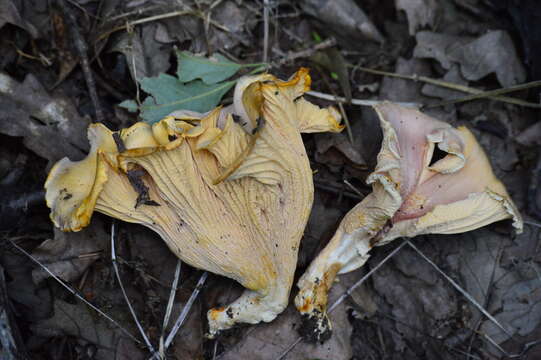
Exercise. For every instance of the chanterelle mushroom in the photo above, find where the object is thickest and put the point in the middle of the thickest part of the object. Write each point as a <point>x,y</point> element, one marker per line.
<point>229,191</point>
<point>414,192</point>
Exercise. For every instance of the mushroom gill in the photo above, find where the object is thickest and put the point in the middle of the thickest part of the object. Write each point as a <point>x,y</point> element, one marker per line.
<point>414,192</point>
<point>229,191</point>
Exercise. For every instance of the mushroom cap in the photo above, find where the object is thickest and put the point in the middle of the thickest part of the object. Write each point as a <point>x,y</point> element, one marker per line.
<point>430,178</point>
<point>228,196</point>
<point>452,194</point>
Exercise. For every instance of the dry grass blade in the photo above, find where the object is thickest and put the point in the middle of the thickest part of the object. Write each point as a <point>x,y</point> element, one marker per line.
<point>289,348</point>
<point>169,307</point>
<point>74,292</point>
<point>495,344</point>
<point>354,189</point>
<point>266,9</point>
<point>134,315</point>
<point>130,24</point>
<point>366,277</point>
<point>448,85</point>
<point>534,224</point>
<point>492,93</point>
<point>185,310</point>
<point>348,292</point>
<point>359,102</point>
<point>461,290</point>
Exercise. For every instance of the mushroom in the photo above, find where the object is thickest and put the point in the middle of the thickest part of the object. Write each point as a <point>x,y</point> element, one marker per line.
<point>229,191</point>
<point>430,178</point>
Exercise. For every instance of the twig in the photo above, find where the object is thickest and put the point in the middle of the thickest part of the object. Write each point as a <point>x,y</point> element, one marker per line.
<point>340,106</point>
<point>134,315</point>
<point>347,293</point>
<point>130,24</point>
<point>533,189</point>
<point>448,85</point>
<point>353,188</point>
<point>169,307</point>
<point>487,94</point>
<point>82,49</point>
<point>138,11</point>
<point>487,296</point>
<point>366,277</point>
<point>359,102</point>
<point>289,348</point>
<point>266,6</point>
<point>74,292</point>
<point>534,224</point>
<point>495,344</point>
<point>318,184</point>
<point>460,289</point>
<point>207,21</point>
<point>330,42</point>
<point>185,310</point>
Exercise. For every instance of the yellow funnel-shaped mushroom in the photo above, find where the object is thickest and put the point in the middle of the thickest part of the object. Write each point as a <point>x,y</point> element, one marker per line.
<point>229,191</point>
<point>430,178</point>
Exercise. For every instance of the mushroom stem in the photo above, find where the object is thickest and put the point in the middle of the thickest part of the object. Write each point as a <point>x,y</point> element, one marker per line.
<point>251,307</point>
<point>414,192</point>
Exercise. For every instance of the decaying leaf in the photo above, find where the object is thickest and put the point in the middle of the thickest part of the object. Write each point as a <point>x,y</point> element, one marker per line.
<point>68,255</point>
<point>77,320</point>
<point>9,14</point>
<point>340,142</point>
<point>226,197</point>
<point>49,125</point>
<point>145,57</point>
<point>420,13</point>
<point>344,18</point>
<point>430,178</point>
<point>493,52</point>
<point>530,136</point>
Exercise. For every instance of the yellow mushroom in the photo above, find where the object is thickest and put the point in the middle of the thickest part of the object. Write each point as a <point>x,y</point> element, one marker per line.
<point>430,178</point>
<point>229,191</point>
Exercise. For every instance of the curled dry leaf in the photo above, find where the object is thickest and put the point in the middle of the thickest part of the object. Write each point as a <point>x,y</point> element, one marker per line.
<point>344,18</point>
<point>231,197</point>
<point>420,13</point>
<point>493,52</point>
<point>430,178</point>
<point>68,255</point>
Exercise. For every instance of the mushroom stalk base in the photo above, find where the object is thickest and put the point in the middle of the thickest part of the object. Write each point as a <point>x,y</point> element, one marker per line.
<point>311,301</point>
<point>251,307</point>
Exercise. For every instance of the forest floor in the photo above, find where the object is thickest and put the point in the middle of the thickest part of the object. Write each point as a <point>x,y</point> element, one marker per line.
<point>67,63</point>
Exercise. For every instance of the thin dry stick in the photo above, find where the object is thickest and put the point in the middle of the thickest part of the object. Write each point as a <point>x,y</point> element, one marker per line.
<point>366,277</point>
<point>534,224</point>
<point>73,292</point>
<point>353,188</point>
<point>460,289</point>
<point>486,94</point>
<point>144,20</point>
<point>82,50</point>
<point>134,315</point>
<point>169,307</point>
<point>487,296</point>
<point>495,344</point>
<point>448,85</point>
<point>330,42</point>
<point>265,30</point>
<point>340,106</point>
<point>348,292</point>
<point>359,102</point>
<point>185,310</point>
